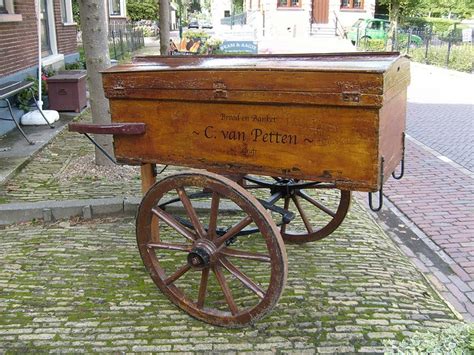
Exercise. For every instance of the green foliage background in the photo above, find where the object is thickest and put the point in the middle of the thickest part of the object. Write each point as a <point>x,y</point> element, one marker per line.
<point>142,10</point>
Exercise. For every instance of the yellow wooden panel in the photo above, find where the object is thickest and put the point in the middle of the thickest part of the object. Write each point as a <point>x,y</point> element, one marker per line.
<point>323,143</point>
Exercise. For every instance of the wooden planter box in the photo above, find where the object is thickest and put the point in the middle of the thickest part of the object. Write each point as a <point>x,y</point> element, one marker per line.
<point>327,118</point>
<point>67,91</point>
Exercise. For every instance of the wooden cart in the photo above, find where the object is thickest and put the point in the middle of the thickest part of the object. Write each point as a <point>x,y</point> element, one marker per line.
<point>292,136</point>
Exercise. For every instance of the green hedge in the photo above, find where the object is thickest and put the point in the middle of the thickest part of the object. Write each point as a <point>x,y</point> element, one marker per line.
<point>461,56</point>
<point>456,339</point>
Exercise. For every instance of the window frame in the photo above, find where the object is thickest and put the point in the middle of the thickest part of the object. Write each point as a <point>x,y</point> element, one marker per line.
<point>3,8</point>
<point>288,5</point>
<point>7,14</point>
<point>66,12</point>
<point>351,7</point>
<point>122,9</point>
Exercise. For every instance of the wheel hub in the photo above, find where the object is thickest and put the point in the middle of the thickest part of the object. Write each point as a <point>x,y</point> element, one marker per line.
<point>202,254</point>
<point>198,258</point>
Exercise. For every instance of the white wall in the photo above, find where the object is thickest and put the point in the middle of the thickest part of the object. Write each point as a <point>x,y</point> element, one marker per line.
<point>285,22</point>
<point>218,7</point>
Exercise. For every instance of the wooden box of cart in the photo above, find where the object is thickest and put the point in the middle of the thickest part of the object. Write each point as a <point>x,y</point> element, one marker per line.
<point>336,118</point>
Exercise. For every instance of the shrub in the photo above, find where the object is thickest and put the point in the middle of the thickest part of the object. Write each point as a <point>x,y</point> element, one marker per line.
<point>372,45</point>
<point>456,339</point>
<point>461,56</point>
<point>25,97</point>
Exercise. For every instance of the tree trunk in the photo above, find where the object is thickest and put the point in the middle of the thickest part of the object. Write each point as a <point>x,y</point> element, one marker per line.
<point>394,15</point>
<point>94,26</point>
<point>164,26</point>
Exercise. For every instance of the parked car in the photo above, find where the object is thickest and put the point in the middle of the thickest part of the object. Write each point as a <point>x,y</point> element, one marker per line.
<point>377,29</point>
<point>193,24</point>
<point>206,24</point>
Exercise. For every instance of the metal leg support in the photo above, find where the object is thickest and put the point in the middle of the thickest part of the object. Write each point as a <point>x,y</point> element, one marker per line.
<point>40,110</point>
<point>16,123</point>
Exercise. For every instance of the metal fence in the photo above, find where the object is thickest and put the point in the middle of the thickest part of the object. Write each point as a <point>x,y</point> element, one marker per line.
<point>124,39</point>
<point>453,48</point>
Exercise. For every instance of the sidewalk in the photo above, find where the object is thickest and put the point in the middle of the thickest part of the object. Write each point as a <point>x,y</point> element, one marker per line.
<point>437,192</point>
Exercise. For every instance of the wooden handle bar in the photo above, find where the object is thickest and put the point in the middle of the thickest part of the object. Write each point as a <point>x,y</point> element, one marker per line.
<point>124,129</point>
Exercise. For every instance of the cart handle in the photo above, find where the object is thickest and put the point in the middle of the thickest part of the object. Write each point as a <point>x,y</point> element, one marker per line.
<point>122,129</point>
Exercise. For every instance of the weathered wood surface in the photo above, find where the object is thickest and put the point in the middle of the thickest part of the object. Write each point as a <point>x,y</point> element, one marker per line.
<point>321,117</point>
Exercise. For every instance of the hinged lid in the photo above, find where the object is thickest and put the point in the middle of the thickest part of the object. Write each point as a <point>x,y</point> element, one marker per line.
<point>348,79</point>
<point>67,77</point>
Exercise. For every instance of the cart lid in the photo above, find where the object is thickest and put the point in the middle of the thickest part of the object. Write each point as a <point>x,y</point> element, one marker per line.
<point>340,79</point>
<point>65,77</point>
<point>365,62</point>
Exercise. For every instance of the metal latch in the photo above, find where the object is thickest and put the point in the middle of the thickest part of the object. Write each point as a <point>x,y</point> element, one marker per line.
<point>351,96</point>
<point>220,90</point>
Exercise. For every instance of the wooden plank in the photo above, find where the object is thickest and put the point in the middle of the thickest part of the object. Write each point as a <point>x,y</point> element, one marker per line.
<point>312,142</point>
<point>127,129</point>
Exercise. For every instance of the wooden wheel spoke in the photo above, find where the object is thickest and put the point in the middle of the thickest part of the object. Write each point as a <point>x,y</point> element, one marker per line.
<point>211,231</point>
<point>316,203</point>
<point>225,289</point>
<point>246,255</point>
<point>306,222</point>
<point>203,287</point>
<point>285,207</point>
<point>173,223</point>
<point>233,231</point>
<point>191,212</point>
<point>168,246</point>
<point>178,273</point>
<point>246,281</point>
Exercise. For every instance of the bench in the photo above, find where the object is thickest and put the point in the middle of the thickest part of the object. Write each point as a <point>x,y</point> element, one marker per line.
<point>11,88</point>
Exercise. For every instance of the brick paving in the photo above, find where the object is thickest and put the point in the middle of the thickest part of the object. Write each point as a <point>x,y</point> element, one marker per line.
<point>75,286</point>
<point>439,200</point>
<point>436,194</point>
<point>446,128</point>
<point>441,112</point>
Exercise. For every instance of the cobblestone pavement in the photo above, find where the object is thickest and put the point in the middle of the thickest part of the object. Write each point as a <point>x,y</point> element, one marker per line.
<point>81,287</point>
<point>441,112</point>
<point>40,179</point>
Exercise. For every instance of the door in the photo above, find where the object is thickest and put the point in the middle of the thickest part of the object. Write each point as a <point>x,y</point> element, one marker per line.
<point>320,11</point>
<point>45,29</point>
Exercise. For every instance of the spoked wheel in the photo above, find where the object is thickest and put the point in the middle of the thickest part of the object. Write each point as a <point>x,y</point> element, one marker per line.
<point>319,208</point>
<point>193,236</point>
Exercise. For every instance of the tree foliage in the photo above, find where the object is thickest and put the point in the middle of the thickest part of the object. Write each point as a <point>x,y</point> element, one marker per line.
<point>142,10</point>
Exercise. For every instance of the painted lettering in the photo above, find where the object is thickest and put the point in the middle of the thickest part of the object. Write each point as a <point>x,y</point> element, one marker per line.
<point>233,135</point>
<point>272,137</point>
<point>208,132</point>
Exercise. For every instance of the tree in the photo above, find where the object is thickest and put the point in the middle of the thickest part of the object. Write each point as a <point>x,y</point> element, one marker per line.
<point>96,46</point>
<point>164,26</point>
<point>396,9</point>
<point>142,10</point>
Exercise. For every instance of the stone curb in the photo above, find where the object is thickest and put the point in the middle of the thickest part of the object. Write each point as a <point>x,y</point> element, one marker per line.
<point>53,210</point>
<point>88,209</point>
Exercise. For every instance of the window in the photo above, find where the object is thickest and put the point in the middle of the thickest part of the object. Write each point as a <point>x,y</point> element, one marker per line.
<point>7,12</point>
<point>352,4</point>
<point>289,3</point>
<point>66,12</point>
<point>3,9</point>
<point>227,13</point>
<point>117,8</point>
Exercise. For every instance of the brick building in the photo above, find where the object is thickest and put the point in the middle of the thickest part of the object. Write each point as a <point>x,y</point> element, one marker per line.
<point>18,39</point>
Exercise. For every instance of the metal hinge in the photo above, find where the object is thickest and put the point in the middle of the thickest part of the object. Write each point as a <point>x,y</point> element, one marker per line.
<point>351,96</point>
